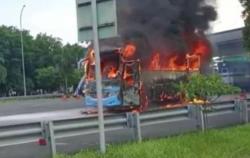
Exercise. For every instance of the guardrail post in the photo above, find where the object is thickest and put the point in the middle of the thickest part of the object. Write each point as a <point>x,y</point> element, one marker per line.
<point>197,113</point>
<point>50,137</point>
<point>245,112</point>
<point>134,123</point>
<point>242,107</point>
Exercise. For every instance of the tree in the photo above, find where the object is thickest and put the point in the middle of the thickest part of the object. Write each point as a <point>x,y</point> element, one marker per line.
<point>43,54</point>
<point>246,16</point>
<point>67,60</point>
<point>47,78</point>
<point>204,87</point>
<point>3,74</point>
<point>3,71</point>
<point>11,53</point>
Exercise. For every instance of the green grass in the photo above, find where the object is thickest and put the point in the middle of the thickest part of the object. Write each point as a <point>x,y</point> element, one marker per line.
<point>223,143</point>
<point>21,99</point>
<point>2,102</point>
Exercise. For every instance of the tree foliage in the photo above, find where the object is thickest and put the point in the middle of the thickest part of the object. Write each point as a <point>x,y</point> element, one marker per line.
<point>3,74</point>
<point>246,16</point>
<point>202,87</point>
<point>46,59</point>
<point>3,71</point>
<point>47,78</point>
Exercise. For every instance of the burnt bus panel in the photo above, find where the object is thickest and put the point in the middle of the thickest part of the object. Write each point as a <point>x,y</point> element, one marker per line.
<point>121,91</point>
<point>161,86</point>
<point>131,84</point>
<point>131,97</point>
<point>149,76</point>
<point>111,94</point>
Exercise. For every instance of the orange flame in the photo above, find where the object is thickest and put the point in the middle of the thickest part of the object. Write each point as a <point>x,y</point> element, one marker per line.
<point>179,62</point>
<point>175,62</point>
<point>129,51</point>
<point>91,56</point>
<point>155,62</point>
<point>112,73</point>
<point>174,66</point>
<point>200,48</point>
<point>89,62</point>
<point>128,77</point>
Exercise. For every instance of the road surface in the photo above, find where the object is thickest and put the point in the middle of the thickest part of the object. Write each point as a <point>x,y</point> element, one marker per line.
<point>50,105</point>
<point>15,107</point>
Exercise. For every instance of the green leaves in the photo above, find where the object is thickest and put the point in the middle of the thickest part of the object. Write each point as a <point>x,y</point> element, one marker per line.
<point>202,87</point>
<point>3,71</point>
<point>48,63</point>
<point>47,78</point>
<point>246,15</point>
<point>3,74</point>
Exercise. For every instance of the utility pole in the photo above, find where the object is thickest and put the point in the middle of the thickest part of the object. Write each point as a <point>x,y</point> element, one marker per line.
<point>98,77</point>
<point>23,64</point>
<point>90,22</point>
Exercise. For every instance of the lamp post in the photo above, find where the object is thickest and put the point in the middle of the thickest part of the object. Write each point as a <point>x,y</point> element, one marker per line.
<point>23,65</point>
<point>98,76</point>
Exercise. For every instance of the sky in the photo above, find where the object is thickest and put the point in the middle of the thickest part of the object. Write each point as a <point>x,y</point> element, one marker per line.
<point>229,15</point>
<point>58,17</point>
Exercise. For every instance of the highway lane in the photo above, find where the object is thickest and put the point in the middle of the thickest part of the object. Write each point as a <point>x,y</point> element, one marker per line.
<point>50,105</point>
<point>39,117</point>
<point>15,107</point>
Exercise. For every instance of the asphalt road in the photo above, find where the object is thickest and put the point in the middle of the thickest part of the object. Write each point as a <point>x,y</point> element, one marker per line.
<point>50,105</point>
<point>15,107</point>
<point>39,117</point>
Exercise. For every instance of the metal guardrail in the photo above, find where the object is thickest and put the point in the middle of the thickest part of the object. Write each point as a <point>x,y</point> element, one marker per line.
<point>221,109</point>
<point>50,131</point>
<point>20,134</point>
<point>163,116</point>
<point>89,125</point>
<point>224,107</point>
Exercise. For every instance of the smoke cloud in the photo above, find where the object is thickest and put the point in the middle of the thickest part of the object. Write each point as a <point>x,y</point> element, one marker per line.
<point>163,25</point>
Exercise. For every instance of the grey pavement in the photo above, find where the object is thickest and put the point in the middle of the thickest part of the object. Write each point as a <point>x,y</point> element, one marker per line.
<point>38,117</point>
<point>14,107</point>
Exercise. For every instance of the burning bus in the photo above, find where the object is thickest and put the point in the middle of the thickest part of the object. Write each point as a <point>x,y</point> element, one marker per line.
<point>132,83</point>
<point>162,42</point>
<point>121,80</point>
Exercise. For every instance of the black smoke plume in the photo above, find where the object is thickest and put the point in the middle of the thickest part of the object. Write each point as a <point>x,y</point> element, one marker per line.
<point>163,25</point>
